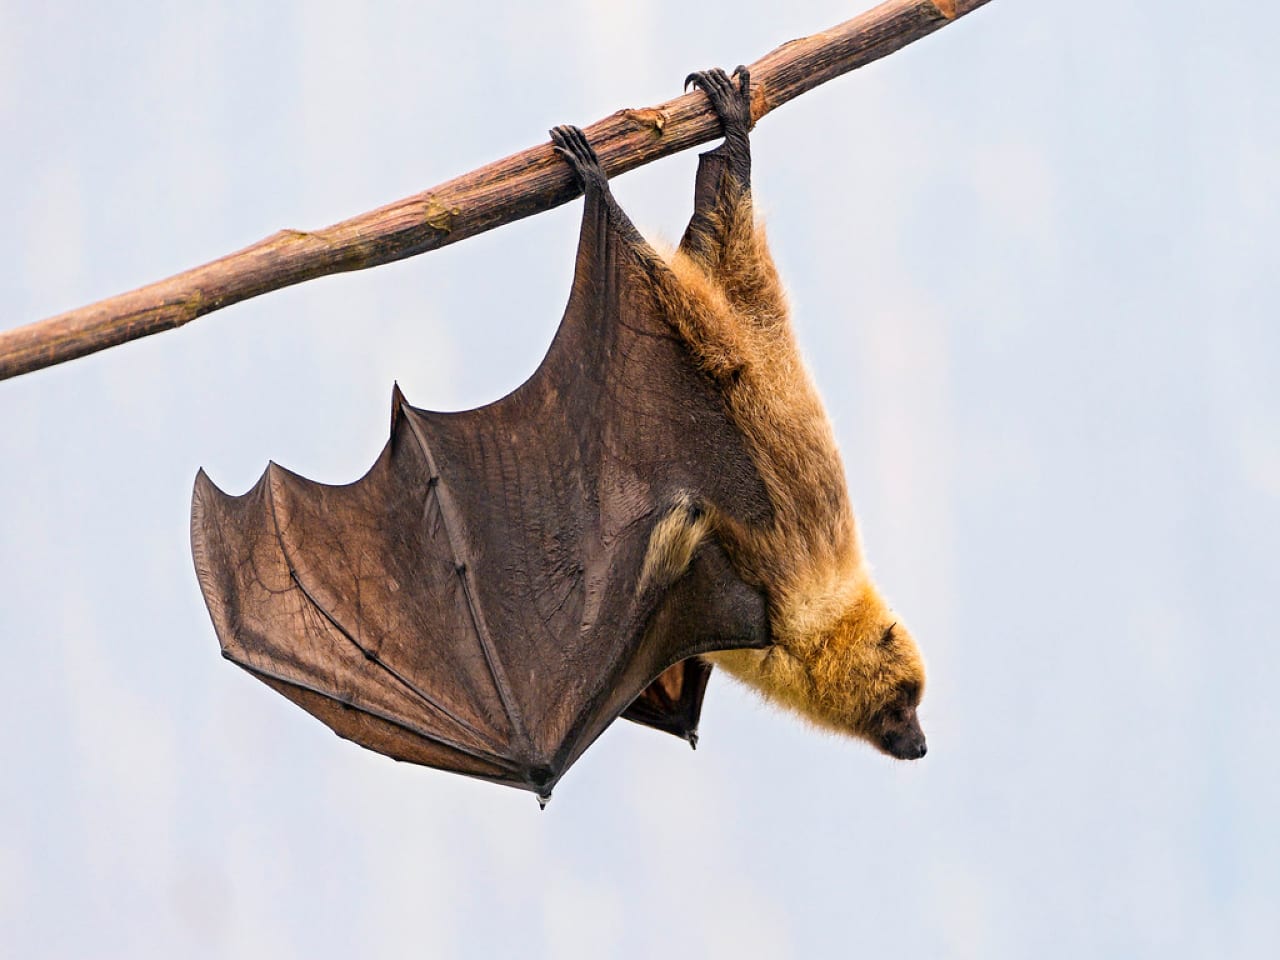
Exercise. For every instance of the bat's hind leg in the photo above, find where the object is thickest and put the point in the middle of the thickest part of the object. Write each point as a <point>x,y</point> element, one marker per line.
<point>724,174</point>
<point>572,144</point>
<point>702,321</point>
<point>722,237</point>
<point>731,99</point>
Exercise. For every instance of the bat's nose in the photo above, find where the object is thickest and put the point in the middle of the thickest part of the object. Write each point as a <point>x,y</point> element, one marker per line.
<point>905,747</point>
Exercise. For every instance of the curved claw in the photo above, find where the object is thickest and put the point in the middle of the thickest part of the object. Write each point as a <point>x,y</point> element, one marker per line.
<point>710,81</point>
<point>571,143</point>
<point>731,98</point>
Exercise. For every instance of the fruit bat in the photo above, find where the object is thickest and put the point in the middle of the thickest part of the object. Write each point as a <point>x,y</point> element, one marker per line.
<point>662,495</point>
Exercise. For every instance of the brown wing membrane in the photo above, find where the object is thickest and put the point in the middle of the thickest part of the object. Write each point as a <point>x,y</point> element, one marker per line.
<point>673,702</point>
<point>471,603</point>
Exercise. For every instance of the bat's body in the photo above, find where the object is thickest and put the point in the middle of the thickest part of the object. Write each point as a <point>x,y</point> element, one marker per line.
<point>663,493</point>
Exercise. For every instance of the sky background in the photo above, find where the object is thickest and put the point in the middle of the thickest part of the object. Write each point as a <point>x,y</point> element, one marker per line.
<point>1033,266</point>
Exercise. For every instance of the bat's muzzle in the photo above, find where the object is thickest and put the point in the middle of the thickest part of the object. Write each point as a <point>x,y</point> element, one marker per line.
<point>909,744</point>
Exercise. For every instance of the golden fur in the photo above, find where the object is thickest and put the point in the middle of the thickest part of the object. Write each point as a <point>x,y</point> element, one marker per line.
<point>840,657</point>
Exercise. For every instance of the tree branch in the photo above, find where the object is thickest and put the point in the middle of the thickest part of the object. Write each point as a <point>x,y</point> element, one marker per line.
<point>520,185</point>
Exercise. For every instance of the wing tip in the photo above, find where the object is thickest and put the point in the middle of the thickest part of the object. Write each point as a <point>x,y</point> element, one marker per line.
<point>203,485</point>
<point>398,403</point>
<point>273,474</point>
<point>205,496</point>
<point>204,489</point>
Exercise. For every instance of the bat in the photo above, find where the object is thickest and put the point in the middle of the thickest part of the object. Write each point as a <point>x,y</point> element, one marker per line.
<point>661,496</point>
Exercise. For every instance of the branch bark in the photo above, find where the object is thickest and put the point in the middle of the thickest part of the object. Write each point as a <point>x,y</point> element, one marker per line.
<point>519,186</point>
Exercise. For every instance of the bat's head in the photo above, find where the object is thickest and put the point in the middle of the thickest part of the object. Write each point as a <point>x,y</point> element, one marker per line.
<point>892,724</point>
<point>846,663</point>
<point>868,678</point>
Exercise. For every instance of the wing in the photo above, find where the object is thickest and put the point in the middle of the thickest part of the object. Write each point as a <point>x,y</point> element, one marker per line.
<point>673,702</point>
<point>471,603</point>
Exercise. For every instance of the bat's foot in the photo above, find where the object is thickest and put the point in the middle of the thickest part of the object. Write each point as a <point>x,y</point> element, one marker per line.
<point>571,143</point>
<point>730,96</point>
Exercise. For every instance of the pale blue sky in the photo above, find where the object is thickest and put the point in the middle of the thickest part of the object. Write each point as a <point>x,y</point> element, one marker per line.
<point>1033,265</point>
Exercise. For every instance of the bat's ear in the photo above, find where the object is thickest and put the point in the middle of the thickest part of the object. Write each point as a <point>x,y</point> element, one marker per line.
<point>398,402</point>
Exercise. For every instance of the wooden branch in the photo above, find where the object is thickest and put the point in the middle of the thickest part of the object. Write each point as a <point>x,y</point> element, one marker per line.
<point>526,183</point>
